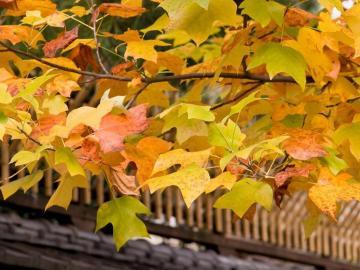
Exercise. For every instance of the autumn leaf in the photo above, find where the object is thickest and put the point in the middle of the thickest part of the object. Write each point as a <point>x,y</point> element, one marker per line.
<point>197,17</point>
<point>46,7</point>
<point>120,10</point>
<point>9,4</point>
<point>304,144</point>
<point>244,194</point>
<point>331,189</point>
<point>63,193</point>
<point>349,132</point>
<point>228,136</point>
<point>283,176</point>
<point>45,124</point>
<point>225,179</point>
<point>298,17</point>
<point>119,181</point>
<point>114,128</point>
<point>122,214</point>
<point>88,116</point>
<point>278,59</point>
<point>191,180</point>
<point>63,40</point>
<point>65,156</point>
<point>145,154</point>
<point>24,183</point>
<point>20,33</point>
<point>264,11</point>
<point>181,157</point>
<point>83,56</point>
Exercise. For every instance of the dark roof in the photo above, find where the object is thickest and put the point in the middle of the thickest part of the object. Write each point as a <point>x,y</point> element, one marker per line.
<point>41,244</point>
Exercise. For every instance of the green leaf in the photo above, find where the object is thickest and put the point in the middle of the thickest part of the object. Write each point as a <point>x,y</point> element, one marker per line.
<point>24,183</point>
<point>264,11</point>
<point>197,17</point>
<point>29,91</point>
<point>197,112</point>
<point>66,156</point>
<point>193,111</point>
<point>191,181</point>
<point>279,59</point>
<point>3,121</point>
<point>351,133</point>
<point>121,213</point>
<point>334,163</point>
<point>244,194</point>
<point>293,120</point>
<point>63,194</point>
<point>228,136</point>
<point>238,107</point>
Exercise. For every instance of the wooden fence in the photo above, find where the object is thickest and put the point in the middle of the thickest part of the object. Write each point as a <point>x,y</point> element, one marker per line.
<point>281,227</point>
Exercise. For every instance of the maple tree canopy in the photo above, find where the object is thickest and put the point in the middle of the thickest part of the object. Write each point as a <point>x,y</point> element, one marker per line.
<point>254,97</point>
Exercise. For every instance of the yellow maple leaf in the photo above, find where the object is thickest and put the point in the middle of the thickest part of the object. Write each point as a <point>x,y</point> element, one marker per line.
<point>331,189</point>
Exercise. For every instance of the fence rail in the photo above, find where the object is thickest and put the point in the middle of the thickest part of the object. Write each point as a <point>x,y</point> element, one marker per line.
<point>280,227</point>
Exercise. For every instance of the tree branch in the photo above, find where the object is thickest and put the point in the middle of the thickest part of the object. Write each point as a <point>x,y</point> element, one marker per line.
<point>133,99</point>
<point>240,96</point>
<point>104,69</point>
<point>188,76</point>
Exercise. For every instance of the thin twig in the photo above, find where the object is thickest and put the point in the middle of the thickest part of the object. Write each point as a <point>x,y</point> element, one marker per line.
<point>32,139</point>
<point>240,96</point>
<point>133,99</point>
<point>104,69</point>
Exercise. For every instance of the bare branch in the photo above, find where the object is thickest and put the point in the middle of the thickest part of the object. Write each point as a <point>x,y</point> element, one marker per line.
<point>188,76</point>
<point>133,99</point>
<point>104,69</point>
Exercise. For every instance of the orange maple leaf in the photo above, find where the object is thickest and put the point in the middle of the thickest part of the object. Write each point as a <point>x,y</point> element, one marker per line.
<point>304,144</point>
<point>114,128</point>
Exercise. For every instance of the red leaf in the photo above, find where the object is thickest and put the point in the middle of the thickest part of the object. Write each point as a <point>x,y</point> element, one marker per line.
<point>235,167</point>
<point>61,42</point>
<point>9,4</point>
<point>281,177</point>
<point>114,128</point>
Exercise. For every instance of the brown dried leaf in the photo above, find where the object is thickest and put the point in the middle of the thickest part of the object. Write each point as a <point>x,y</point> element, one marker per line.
<point>62,41</point>
<point>83,56</point>
<point>121,182</point>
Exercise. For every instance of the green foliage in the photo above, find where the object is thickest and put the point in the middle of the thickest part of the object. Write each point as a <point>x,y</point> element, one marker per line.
<point>122,214</point>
